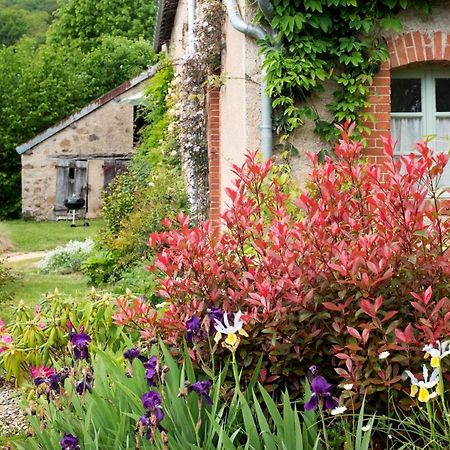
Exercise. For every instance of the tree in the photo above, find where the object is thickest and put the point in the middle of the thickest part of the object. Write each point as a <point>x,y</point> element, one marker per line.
<point>15,23</point>
<point>84,21</point>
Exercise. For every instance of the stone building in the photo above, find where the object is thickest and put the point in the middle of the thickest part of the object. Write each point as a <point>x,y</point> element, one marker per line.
<point>81,154</point>
<point>418,73</point>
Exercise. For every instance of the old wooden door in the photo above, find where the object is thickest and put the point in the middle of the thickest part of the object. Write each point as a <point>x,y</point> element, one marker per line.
<point>71,180</point>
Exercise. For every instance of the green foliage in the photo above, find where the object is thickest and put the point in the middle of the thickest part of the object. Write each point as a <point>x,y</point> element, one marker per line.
<point>30,5</point>
<point>67,258</point>
<point>84,22</point>
<point>136,202</point>
<point>107,417</point>
<point>321,40</point>
<point>15,23</point>
<point>39,336</point>
<point>133,209</point>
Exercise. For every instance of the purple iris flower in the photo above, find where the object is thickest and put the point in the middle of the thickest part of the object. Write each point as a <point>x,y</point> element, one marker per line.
<point>321,389</point>
<point>54,380</point>
<point>131,354</point>
<point>202,388</point>
<point>214,314</point>
<point>151,400</point>
<point>39,380</point>
<point>193,328</point>
<point>151,372</point>
<point>82,386</point>
<point>80,342</point>
<point>69,442</point>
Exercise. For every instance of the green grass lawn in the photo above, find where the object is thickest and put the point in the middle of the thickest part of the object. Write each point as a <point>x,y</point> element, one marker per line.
<point>29,284</point>
<point>29,236</point>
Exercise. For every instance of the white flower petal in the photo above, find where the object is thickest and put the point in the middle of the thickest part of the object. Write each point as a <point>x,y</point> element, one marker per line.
<point>338,410</point>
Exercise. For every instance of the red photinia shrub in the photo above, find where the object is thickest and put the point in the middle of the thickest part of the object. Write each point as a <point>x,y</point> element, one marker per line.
<point>354,266</point>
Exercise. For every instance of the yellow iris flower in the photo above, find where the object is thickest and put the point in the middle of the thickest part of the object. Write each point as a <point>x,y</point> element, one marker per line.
<point>232,332</point>
<point>441,351</point>
<point>423,386</point>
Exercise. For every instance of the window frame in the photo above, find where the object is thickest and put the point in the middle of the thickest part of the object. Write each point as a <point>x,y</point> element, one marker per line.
<point>429,115</point>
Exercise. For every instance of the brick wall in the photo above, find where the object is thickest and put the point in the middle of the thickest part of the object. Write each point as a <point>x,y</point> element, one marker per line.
<point>405,49</point>
<point>214,154</point>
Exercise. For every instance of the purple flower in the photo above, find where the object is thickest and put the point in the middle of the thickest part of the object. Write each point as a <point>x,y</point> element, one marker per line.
<point>55,381</point>
<point>202,388</point>
<point>131,354</point>
<point>83,386</point>
<point>69,442</point>
<point>193,328</point>
<point>151,372</point>
<point>151,400</point>
<point>214,314</point>
<point>321,389</point>
<point>80,342</point>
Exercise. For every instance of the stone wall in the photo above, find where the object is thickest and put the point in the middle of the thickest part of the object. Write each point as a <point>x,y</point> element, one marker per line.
<point>104,133</point>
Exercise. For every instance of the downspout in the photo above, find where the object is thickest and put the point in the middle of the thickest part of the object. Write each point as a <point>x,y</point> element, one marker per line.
<point>256,32</point>
<point>192,6</point>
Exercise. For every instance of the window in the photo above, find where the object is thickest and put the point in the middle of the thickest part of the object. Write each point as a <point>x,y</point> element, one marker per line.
<point>420,107</point>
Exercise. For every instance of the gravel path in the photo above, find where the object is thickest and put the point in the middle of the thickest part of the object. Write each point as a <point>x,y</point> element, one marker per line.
<point>12,420</point>
<point>14,256</point>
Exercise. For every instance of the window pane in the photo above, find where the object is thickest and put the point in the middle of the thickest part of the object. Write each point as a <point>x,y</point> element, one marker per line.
<point>443,94</point>
<point>406,95</point>
<point>406,132</point>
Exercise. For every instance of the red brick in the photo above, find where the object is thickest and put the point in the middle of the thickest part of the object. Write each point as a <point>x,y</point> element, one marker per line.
<point>380,90</point>
<point>382,125</point>
<point>383,108</point>
<point>429,54</point>
<point>438,46</point>
<point>418,46</point>
<point>411,55</point>
<point>402,56</point>
<point>377,99</point>
<point>408,39</point>
<point>381,81</point>
<point>385,116</point>
<point>447,50</point>
<point>427,39</point>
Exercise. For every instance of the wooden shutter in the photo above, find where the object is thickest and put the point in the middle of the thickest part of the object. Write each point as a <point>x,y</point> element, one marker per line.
<point>71,179</point>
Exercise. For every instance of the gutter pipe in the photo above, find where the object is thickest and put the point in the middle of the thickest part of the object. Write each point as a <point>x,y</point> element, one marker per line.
<point>257,32</point>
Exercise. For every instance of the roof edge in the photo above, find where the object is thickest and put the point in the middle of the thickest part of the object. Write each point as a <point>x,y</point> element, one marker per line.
<point>59,126</point>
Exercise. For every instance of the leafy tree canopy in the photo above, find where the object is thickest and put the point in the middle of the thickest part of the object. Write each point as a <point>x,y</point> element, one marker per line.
<point>84,21</point>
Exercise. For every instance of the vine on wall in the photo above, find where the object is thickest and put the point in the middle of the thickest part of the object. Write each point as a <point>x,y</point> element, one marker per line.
<point>189,96</point>
<point>320,40</point>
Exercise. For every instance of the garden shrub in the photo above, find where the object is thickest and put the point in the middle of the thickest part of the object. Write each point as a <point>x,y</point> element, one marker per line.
<point>136,202</point>
<point>66,258</point>
<point>355,267</point>
<point>39,335</point>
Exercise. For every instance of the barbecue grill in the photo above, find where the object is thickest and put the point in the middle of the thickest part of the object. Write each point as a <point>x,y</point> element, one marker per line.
<point>74,204</point>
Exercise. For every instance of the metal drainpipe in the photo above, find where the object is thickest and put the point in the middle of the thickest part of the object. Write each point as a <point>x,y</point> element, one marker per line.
<point>256,32</point>
<point>192,6</point>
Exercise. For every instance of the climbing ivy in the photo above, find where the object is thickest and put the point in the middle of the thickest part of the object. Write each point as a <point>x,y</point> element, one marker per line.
<point>321,40</point>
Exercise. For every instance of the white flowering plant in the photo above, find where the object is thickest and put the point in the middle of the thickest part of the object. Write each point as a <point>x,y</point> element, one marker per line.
<point>66,258</point>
